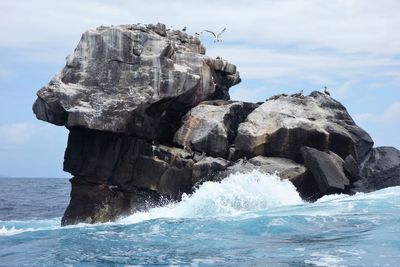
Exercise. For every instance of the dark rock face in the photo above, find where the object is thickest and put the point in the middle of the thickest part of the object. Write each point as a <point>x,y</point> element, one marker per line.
<point>327,170</point>
<point>150,120</point>
<point>92,203</point>
<point>283,124</point>
<point>380,169</point>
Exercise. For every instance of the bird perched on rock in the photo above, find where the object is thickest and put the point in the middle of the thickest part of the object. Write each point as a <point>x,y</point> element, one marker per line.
<point>298,94</point>
<point>217,37</point>
<point>184,29</point>
<point>326,91</point>
<point>274,97</point>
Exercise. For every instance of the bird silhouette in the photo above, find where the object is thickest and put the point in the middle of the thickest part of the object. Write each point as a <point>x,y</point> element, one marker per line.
<point>217,37</point>
<point>326,91</point>
<point>184,29</point>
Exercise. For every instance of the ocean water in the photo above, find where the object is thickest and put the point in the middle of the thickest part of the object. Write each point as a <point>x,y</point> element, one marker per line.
<point>250,219</point>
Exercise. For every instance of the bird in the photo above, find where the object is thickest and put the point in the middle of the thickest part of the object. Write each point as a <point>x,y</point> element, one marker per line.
<point>217,37</point>
<point>299,94</point>
<point>326,91</point>
<point>184,29</point>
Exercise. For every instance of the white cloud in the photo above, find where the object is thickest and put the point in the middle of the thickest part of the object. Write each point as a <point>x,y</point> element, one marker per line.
<point>249,94</point>
<point>314,41</point>
<point>344,26</point>
<point>363,117</point>
<point>16,133</point>
<point>390,115</point>
<point>5,72</point>
<point>314,67</point>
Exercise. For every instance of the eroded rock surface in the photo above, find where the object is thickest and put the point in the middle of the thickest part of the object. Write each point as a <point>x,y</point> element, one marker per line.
<point>133,79</point>
<point>211,126</point>
<point>380,169</point>
<point>327,170</point>
<point>282,125</point>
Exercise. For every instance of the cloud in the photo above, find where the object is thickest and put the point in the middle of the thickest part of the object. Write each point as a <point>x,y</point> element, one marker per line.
<point>320,68</point>
<point>363,117</point>
<point>391,115</point>
<point>319,42</point>
<point>249,94</point>
<point>5,72</point>
<point>16,133</point>
<point>342,26</point>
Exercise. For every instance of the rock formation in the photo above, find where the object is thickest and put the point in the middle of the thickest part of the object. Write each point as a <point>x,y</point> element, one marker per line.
<point>149,119</point>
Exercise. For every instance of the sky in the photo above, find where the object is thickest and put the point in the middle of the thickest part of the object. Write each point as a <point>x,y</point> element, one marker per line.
<point>350,46</point>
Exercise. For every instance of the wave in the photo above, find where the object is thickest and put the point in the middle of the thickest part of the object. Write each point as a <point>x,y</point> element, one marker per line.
<point>240,195</point>
<point>237,194</point>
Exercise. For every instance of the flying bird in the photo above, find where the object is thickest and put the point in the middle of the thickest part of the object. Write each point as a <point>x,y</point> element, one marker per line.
<point>326,91</point>
<point>217,37</point>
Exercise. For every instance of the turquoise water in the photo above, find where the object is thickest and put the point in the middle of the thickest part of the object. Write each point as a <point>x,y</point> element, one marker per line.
<point>248,219</point>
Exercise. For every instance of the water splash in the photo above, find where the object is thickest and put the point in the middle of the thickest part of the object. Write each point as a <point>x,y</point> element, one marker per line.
<point>239,193</point>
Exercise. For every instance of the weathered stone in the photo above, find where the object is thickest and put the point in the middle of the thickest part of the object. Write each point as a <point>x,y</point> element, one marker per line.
<point>280,126</point>
<point>297,173</point>
<point>327,170</point>
<point>351,167</point>
<point>207,168</point>
<point>133,79</point>
<point>381,169</point>
<point>93,203</point>
<point>212,125</point>
<point>285,168</point>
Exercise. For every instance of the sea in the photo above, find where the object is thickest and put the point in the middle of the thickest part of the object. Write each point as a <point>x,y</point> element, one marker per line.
<point>247,219</point>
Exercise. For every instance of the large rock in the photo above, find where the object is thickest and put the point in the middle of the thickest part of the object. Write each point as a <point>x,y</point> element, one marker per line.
<point>212,125</point>
<point>93,203</point>
<point>285,168</point>
<point>381,169</point>
<point>297,173</point>
<point>133,79</point>
<point>150,120</point>
<point>327,170</point>
<point>124,161</point>
<point>283,124</point>
<point>207,168</point>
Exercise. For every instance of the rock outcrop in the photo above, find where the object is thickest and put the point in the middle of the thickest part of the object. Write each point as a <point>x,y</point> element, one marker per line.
<point>327,170</point>
<point>380,169</point>
<point>283,124</point>
<point>149,119</point>
<point>211,127</point>
<point>133,79</point>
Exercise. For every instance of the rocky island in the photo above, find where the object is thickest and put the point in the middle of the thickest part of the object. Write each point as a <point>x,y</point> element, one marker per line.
<point>150,118</point>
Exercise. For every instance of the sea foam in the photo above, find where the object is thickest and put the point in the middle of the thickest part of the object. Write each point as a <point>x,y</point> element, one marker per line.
<point>239,193</point>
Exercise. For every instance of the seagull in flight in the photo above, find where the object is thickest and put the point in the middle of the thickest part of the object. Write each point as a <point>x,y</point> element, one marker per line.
<point>217,37</point>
